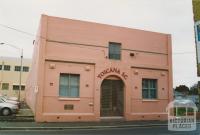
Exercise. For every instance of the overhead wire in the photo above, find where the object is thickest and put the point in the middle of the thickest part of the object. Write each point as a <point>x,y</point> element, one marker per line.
<point>20,31</point>
<point>33,35</point>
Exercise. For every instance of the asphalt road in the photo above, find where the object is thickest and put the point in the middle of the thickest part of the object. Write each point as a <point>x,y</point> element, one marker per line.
<point>162,130</point>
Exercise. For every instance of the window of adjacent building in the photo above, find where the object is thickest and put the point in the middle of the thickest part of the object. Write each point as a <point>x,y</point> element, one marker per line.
<point>114,51</point>
<point>16,87</point>
<point>0,67</point>
<point>6,67</point>
<point>17,68</point>
<point>25,69</point>
<point>22,87</point>
<point>5,86</point>
<point>149,88</point>
<point>198,32</point>
<point>69,85</point>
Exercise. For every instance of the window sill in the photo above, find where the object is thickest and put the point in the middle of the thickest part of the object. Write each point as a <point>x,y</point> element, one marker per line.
<point>68,99</point>
<point>115,60</point>
<point>150,100</point>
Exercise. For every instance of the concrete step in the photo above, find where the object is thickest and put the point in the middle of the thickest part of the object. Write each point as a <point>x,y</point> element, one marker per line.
<point>17,118</point>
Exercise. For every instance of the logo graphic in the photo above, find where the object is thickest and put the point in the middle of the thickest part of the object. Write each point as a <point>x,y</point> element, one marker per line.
<point>181,115</point>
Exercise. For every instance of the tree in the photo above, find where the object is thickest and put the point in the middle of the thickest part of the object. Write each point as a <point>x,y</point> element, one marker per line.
<point>183,89</point>
<point>196,8</point>
<point>194,89</point>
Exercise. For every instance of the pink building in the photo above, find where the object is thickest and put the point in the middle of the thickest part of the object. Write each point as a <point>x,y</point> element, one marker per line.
<point>84,71</point>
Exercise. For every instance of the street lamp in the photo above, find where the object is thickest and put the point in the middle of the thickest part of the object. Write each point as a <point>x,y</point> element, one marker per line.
<point>21,58</point>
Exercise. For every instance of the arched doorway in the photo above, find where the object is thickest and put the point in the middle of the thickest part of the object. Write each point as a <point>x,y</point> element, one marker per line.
<point>112,97</point>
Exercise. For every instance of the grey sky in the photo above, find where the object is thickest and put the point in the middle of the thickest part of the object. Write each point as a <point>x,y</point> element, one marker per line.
<point>167,16</point>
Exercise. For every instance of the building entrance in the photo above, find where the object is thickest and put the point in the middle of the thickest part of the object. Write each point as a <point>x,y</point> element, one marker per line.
<point>112,98</point>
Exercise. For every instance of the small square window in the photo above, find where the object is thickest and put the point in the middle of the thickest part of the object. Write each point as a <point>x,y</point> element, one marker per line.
<point>22,87</point>
<point>25,69</point>
<point>15,87</point>
<point>114,51</point>
<point>17,68</point>
<point>0,67</point>
<point>5,86</point>
<point>6,67</point>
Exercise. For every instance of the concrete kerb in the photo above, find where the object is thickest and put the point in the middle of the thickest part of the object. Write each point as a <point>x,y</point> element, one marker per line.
<point>83,127</point>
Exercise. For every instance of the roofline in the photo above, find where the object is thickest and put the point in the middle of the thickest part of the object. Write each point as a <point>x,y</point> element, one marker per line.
<point>14,58</point>
<point>117,26</point>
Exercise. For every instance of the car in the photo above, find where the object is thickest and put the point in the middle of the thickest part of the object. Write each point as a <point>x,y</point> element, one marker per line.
<point>11,98</point>
<point>7,109</point>
<point>9,101</point>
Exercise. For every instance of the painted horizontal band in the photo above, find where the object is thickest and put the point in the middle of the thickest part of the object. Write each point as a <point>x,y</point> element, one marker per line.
<point>150,68</point>
<point>63,61</point>
<point>92,45</point>
<point>150,113</point>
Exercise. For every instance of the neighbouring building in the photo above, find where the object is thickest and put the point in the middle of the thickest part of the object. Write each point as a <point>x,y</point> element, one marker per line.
<point>84,71</point>
<point>10,76</point>
<point>196,11</point>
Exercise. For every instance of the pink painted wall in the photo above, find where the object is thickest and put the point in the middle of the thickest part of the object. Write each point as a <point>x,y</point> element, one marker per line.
<point>71,46</point>
<point>32,80</point>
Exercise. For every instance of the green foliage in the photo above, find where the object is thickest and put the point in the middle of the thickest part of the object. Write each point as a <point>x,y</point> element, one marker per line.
<point>182,88</point>
<point>196,9</point>
<point>181,111</point>
<point>194,89</point>
<point>198,69</point>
